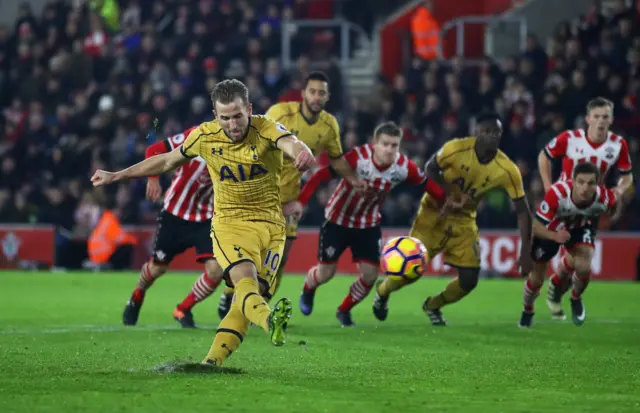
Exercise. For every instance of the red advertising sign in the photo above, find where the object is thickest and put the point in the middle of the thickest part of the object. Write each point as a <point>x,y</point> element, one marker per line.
<point>614,259</point>
<point>25,242</point>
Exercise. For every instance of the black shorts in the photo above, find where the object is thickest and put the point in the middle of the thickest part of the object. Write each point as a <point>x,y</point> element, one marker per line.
<point>365,243</point>
<point>175,235</point>
<point>543,250</point>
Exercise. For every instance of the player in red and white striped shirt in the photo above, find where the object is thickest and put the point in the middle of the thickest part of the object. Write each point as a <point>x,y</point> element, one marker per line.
<point>567,217</point>
<point>353,217</point>
<point>183,223</point>
<point>596,145</point>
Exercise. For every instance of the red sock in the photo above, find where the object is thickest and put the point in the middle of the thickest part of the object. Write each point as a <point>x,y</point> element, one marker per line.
<point>145,280</point>
<point>358,291</point>
<point>531,292</point>
<point>580,284</point>
<point>202,288</point>
<point>311,281</point>
<point>561,283</point>
<point>138,295</point>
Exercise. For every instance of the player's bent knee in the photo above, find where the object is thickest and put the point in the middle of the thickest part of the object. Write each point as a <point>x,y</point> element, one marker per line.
<point>469,279</point>
<point>242,269</point>
<point>326,271</point>
<point>213,270</point>
<point>369,272</point>
<point>539,273</point>
<point>583,267</point>
<point>157,269</point>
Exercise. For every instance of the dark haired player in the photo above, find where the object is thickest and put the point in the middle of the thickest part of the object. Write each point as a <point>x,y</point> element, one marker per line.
<point>466,169</point>
<point>596,145</point>
<point>566,217</point>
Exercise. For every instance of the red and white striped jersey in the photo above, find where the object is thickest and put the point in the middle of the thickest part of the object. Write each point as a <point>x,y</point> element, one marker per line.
<point>190,195</point>
<point>574,147</point>
<point>350,209</point>
<point>557,210</point>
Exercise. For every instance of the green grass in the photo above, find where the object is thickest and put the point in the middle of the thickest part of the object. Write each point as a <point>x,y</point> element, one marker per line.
<point>62,349</point>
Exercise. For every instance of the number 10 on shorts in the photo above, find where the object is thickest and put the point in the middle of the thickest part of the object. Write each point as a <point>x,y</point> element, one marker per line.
<point>272,260</point>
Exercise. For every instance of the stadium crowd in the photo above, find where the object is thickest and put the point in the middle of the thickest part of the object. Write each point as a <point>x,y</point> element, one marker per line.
<point>79,96</point>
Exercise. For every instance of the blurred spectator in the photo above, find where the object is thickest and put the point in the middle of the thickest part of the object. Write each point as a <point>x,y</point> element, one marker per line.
<point>425,31</point>
<point>78,95</point>
<point>83,83</point>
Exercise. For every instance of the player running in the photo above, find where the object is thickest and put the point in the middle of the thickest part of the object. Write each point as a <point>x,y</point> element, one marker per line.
<point>353,218</point>
<point>566,217</point>
<point>596,145</point>
<point>466,169</point>
<point>183,223</point>
<point>319,130</point>
<point>243,153</point>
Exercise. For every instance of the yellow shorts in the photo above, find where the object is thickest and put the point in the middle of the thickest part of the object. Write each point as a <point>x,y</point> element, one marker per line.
<point>259,242</point>
<point>291,227</point>
<point>457,239</point>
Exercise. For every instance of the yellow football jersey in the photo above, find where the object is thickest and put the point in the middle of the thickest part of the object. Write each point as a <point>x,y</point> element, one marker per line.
<point>465,174</point>
<point>321,135</point>
<point>245,174</point>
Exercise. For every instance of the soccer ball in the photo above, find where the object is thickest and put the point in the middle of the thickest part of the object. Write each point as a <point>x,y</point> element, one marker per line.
<point>404,257</point>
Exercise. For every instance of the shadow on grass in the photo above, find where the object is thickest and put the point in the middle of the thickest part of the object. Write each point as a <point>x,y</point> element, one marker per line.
<point>195,368</point>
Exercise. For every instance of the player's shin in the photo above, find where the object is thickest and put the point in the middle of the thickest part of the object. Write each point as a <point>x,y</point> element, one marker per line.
<point>318,275</point>
<point>360,287</point>
<point>532,286</point>
<point>148,274</point>
<point>229,335</point>
<point>459,287</point>
<point>579,282</point>
<point>201,289</point>
<point>277,280</point>
<point>248,298</point>
<point>389,285</point>
<point>560,281</point>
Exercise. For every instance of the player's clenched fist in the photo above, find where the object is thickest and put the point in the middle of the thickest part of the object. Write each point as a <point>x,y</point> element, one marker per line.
<point>294,209</point>
<point>305,161</point>
<point>101,177</point>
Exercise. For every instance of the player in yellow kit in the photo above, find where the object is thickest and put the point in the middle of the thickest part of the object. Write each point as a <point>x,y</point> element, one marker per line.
<point>319,130</point>
<point>466,169</point>
<point>243,153</point>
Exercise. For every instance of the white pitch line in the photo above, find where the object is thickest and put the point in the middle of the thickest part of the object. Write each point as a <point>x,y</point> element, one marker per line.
<point>173,327</point>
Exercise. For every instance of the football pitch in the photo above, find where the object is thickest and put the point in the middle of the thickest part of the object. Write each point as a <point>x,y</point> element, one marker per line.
<point>63,349</point>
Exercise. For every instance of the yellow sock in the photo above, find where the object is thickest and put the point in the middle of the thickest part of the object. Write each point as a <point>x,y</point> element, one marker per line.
<point>452,293</point>
<point>227,291</point>
<point>390,285</point>
<point>251,303</point>
<point>231,331</point>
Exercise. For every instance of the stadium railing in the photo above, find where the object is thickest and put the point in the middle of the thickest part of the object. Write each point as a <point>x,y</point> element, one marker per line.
<point>459,24</point>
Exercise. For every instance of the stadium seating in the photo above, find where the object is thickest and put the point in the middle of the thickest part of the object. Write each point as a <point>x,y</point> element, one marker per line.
<point>77,96</point>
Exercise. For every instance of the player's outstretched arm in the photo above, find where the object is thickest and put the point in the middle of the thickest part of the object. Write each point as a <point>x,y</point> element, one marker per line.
<point>525,226</point>
<point>295,149</point>
<point>544,166</point>
<point>624,183</point>
<point>153,166</point>
<point>345,166</point>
